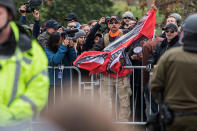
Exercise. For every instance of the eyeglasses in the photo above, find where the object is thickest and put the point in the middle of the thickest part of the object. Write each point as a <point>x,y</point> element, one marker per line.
<point>71,26</point>
<point>127,18</point>
<point>171,31</point>
<point>116,22</point>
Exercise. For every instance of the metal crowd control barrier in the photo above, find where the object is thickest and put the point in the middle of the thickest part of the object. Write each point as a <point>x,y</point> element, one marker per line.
<point>133,119</point>
<point>142,96</point>
<point>141,122</point>
<point>92,84</point>
<point>62,68</point>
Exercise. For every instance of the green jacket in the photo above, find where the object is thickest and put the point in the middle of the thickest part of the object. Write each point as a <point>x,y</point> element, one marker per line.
<point>175,75</point>
<point>24,81</point>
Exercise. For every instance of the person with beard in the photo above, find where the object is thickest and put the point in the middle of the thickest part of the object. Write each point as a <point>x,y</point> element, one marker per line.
<point>128,22</point>
<point>124,91</point>
<point>114,33</point>
<point>127,17</point>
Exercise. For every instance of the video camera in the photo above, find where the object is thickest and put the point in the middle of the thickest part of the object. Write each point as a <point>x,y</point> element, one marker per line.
<point>69,33</point>
<point>30,5</point>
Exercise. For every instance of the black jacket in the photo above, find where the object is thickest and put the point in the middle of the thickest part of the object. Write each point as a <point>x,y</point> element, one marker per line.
<point>79,50</point>
<point>89,42</point>
<point>161,49</point>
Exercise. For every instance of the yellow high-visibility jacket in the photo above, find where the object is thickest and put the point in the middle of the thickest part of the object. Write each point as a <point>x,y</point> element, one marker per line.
<point>24,81</point>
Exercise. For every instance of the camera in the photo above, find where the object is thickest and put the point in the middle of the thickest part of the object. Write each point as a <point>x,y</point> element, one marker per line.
<point>69,33</point>
<point>30,5</point>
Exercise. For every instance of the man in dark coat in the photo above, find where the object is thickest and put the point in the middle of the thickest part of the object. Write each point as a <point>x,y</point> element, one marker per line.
<point>175,77</point>
<point>171,40</point>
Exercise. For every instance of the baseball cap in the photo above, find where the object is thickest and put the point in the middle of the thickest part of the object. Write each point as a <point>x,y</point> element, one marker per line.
<point>52,24</point>
<point>114,18</point>
<point>71,17</point>
<point>171,26</point>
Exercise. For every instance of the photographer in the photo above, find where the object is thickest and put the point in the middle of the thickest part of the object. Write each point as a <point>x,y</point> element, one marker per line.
<point>60,52</point>
<point>36,14</point>
<point>22,11</point>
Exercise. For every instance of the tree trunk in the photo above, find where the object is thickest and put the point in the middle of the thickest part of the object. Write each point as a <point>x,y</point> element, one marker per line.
<point>128,2</point>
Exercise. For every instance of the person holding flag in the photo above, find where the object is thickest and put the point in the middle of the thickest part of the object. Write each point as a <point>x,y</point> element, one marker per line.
<point>124,90</point>
<point>111,61</point>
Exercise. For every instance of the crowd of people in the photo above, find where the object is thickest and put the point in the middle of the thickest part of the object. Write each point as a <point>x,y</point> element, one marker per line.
<point>61,45</point>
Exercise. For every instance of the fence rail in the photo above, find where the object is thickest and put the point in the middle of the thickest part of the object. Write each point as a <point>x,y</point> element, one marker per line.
<point>137,97</point>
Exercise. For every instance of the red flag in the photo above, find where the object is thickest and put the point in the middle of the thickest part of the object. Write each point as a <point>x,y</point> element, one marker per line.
<point>108,60</point>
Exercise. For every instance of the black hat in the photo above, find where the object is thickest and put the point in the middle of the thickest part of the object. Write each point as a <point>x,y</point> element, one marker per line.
<point>98,34</point>
<point>71,17</point>
<point>171,26</point>
<point>52,24</point>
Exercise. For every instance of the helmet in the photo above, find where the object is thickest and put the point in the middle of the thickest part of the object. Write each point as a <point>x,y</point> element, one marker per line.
<point>10,5</point>
<point>177,17</point>
<point>190,24</point>
<point>190,33</point>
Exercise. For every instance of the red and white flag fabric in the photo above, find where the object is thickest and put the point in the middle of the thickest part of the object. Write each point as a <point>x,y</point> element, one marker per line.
<point>108,60</point>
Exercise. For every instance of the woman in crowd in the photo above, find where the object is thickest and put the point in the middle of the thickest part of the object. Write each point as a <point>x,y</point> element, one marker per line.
<point>60,52</point>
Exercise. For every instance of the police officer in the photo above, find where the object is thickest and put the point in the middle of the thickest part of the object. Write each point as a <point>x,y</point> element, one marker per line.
<point>23,73</point>
<point>175,77</point>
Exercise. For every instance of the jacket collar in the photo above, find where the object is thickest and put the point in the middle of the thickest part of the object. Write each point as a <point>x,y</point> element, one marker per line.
<point>171,43</point>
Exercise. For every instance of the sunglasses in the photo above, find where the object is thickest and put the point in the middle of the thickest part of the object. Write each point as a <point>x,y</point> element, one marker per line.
<point>171,31</point>
<point>127,18</point>
<point>116,22</point>
<point>71,26</point>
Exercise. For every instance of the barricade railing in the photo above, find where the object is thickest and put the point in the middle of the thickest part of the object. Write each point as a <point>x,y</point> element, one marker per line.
<point>59,70</point>
<point>98,82</point>
<point>134,121</point>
